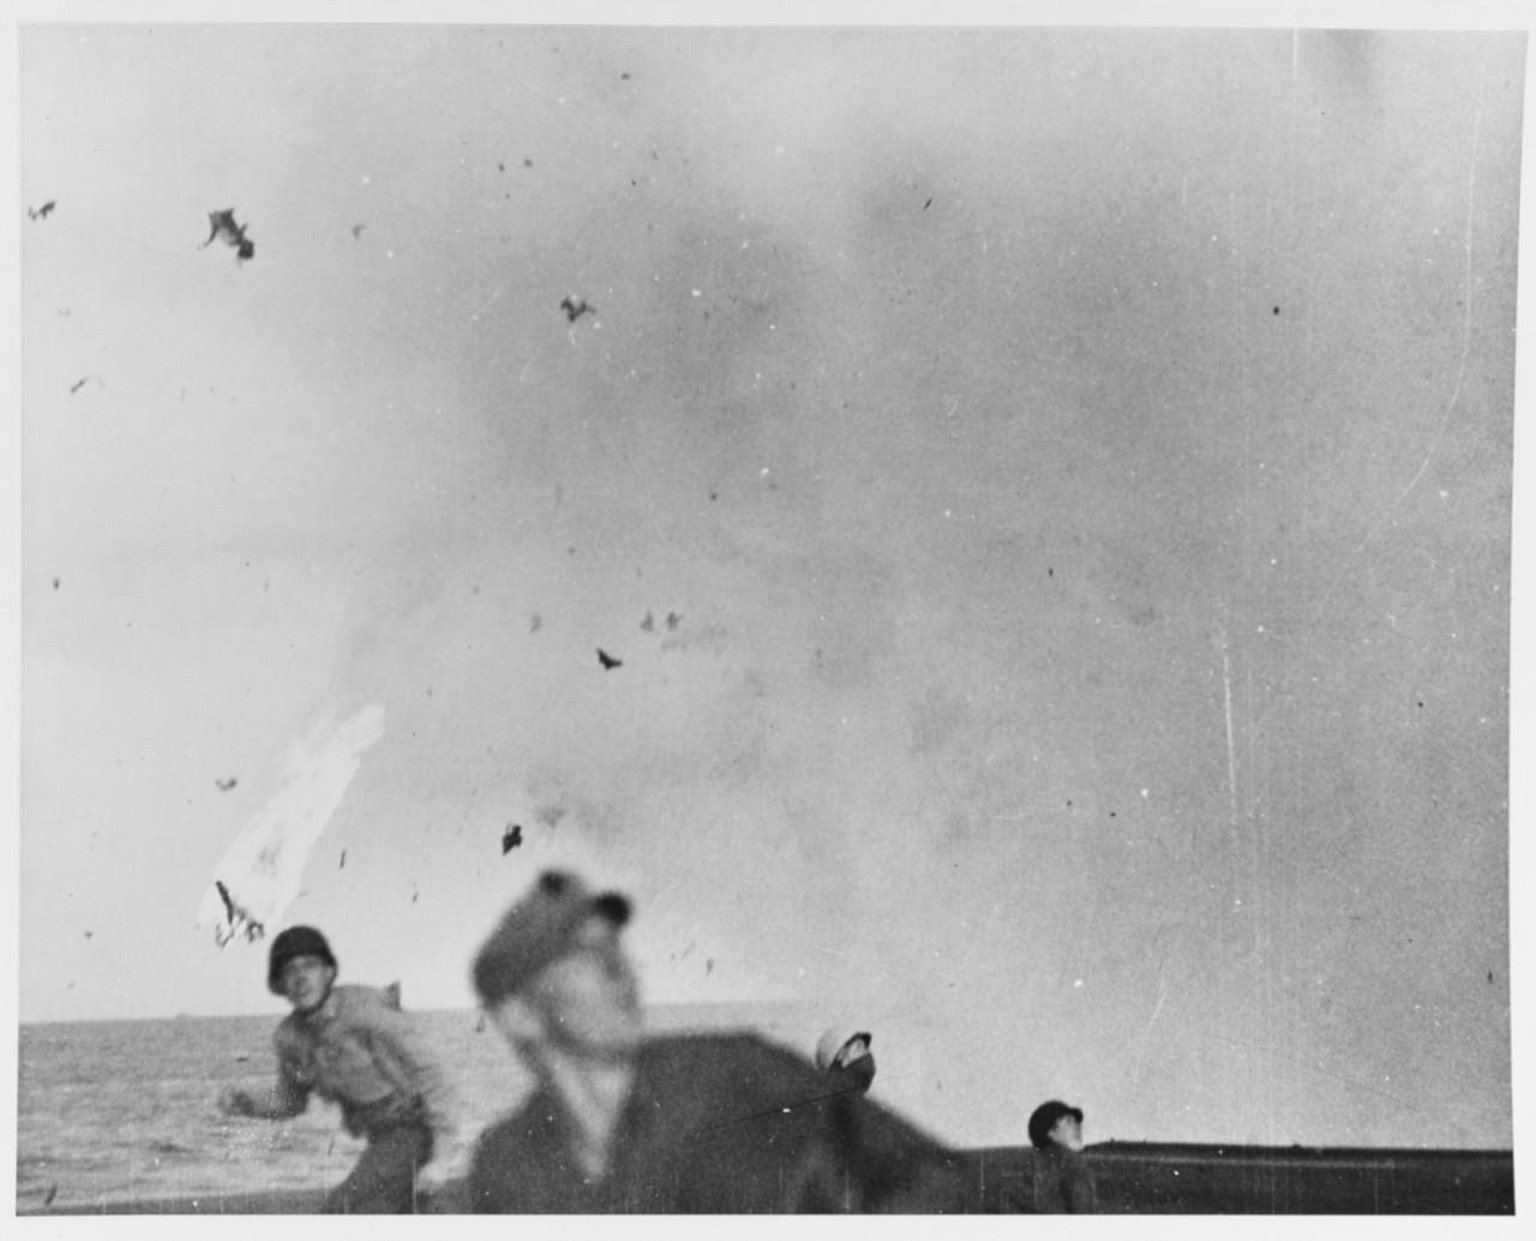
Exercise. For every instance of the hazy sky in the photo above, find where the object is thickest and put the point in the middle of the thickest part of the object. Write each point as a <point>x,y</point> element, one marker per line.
<point>1077,464</point>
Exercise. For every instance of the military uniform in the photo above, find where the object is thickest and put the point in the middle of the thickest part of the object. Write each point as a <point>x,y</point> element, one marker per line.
<point>1064,1183</point>
<point>359,1051</point>
<point>720,1124</point>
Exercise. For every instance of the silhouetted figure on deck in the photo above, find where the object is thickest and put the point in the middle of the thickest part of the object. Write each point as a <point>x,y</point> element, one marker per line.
<point>1063,1180</point>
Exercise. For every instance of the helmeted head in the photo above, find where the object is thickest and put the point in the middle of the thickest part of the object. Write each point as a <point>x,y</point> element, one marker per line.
<point>1046,1129</point>
<point>301,968</point>
<point>553,973</point>
<point>296,941</point>
<point>841,1046</point>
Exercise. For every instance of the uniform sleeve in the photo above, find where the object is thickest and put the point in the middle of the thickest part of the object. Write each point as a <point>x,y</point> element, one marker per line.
<point>904,1170</point>
<point>288,1096</point>
<point>887,1164</point>
<point>404,1057</point>
<point>1079,1190</point>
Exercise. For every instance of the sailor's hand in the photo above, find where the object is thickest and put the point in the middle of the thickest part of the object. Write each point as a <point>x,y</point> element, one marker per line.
<point>444,1182</point>
<point>440,1195</point>
<point>235,1102</point>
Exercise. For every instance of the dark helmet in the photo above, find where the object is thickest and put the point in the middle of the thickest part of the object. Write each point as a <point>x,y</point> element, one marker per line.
<point>540,928</point>
<point>831,1044</point>
<point>296,941</point>
<point>1044,1119</point>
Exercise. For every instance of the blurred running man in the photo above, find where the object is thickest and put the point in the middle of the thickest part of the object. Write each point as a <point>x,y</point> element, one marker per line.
<point>620,1122</point>
<point>351,1045</point>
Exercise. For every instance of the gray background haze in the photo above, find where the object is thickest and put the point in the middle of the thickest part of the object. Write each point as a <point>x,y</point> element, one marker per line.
<point>1078,463</point>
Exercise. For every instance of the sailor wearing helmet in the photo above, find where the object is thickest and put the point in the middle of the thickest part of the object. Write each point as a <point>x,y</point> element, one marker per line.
<point>625,1122</point>
<point>843,1053</point>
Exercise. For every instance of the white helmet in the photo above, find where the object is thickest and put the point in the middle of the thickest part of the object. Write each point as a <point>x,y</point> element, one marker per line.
<point>834,1040</point>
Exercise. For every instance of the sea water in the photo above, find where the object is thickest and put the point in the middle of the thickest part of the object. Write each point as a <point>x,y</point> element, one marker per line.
<point>110,1111</point>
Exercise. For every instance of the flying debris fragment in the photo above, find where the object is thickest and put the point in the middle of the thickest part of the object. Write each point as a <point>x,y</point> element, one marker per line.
<point>342,864</point>
<point>511,838</point>
<point>222,227</point>
<point>608,661</point>
<point>78,384</point>
<point>575,307</point>
<point>42,212</point>
<point>235,919</point>
<point>258,876</point>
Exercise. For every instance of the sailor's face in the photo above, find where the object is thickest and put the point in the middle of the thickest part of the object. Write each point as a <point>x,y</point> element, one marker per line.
<point>306,981</point>
<point>590,1002</point>
<point>853,1049</point>
<point>586,1002</point>
<point>1068,1132</point>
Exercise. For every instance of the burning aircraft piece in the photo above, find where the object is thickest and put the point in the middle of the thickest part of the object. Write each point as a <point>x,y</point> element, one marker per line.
<point>258,876</point>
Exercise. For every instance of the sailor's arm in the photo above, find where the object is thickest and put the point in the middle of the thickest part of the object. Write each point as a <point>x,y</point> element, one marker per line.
<point>282,1099</point>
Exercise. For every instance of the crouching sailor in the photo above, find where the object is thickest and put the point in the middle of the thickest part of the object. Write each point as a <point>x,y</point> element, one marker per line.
<point>352,1046</point>
<point>623,1122</point>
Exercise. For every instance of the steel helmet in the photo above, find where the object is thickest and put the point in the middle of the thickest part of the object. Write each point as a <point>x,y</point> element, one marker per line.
<point>541,927</point>
<point>1044,1119</point>
<point>296,941</point>
<point>833,1042</point>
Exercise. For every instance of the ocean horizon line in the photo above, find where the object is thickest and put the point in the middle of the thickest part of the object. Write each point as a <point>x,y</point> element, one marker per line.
<point>276,1013</point>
